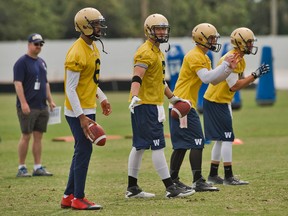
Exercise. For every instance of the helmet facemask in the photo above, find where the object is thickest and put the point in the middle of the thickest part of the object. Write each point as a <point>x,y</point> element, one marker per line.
<point>211,42</point>
<point>98,27</point>
<point>248,48</point>
<point>160,39</point>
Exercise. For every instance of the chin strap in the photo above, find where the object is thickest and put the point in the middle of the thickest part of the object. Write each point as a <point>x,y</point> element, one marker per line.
<point>167,50</point>
<point>95,38</point>
<point>102,46</point>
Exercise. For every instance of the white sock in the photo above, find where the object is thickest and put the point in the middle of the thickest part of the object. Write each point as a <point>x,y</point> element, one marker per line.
<point>21,165</point>
<point>37,166</point>
<point>65,196</point>
<point>160,164</point>
<point>134,162</point>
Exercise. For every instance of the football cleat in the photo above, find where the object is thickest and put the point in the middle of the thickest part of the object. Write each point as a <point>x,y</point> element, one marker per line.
<point>66,202</point>
<point>84,204</point>
<point>215,180</point>
<point>180,184</point>
<point>202,186</point>
<point>136,192</point>
<point>174,191</point>
<point>234,181</point>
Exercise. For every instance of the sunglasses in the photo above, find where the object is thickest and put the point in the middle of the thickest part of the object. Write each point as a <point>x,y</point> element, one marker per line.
<point>38,44</point>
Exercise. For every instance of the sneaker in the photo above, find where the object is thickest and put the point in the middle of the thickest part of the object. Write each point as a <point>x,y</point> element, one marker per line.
<point>23,172</point>
<point>180,184</point>
<point>84,204</point>
<point>66,202</point>
<point>215,180</point>
<point>174,191</point>
<point>136,192</point>
<point>234,181</point>
<point>41,172</point>
<point>201,186</point>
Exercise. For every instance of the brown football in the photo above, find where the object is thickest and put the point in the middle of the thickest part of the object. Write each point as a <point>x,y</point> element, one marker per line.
<point>180,109</point>
<point>99,134</point>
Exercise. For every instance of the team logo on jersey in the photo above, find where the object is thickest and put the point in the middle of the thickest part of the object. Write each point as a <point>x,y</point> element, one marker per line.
<point>156,142</point>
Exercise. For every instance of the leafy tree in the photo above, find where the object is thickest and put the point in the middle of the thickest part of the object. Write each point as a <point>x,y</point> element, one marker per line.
<point>19,18</point>
<point>114,11</point>
<point>54,19</point>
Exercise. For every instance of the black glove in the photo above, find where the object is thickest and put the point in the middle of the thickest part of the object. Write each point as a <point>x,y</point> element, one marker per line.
<point>263,69</point>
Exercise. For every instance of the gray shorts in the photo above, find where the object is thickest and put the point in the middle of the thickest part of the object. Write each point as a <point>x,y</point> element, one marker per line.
<point>36,120</point>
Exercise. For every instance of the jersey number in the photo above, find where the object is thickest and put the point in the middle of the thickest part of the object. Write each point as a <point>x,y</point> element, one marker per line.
<point>163,66</point>
<point>97,71</point>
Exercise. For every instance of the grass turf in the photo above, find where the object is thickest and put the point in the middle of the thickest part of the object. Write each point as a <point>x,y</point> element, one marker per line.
<point>262,160</point>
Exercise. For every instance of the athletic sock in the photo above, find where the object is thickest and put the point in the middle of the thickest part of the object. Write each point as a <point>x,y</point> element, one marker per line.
<point>167,182</point>
<point>213,169</point>
<point>132,181</point>
<point>228,171</point>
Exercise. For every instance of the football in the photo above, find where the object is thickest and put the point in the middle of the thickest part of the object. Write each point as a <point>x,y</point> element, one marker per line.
<point>180,109</point>
<point>99,134</point>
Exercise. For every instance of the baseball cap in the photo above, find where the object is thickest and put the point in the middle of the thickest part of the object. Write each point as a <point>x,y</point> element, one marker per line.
<point>34,38</point>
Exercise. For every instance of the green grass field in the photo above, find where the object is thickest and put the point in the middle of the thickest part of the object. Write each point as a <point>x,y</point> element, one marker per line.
<point>262,160</point>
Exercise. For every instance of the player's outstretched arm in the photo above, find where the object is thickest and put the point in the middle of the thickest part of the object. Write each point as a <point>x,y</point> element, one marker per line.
<point>242,83</point>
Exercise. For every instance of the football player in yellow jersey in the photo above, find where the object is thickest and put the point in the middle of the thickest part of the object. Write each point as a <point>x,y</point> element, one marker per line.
<point>217,110</point>
<point>147,113</point>
<point>186,133</point>
<point>82,69</point>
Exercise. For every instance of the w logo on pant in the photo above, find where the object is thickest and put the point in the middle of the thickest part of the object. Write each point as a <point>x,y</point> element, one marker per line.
<point>228,134</point>
<point>156,142</point>
<point>198,141</point>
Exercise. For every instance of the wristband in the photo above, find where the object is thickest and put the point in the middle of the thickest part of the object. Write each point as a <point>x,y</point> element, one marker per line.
<point>254,75</point>
<point>137,79</point>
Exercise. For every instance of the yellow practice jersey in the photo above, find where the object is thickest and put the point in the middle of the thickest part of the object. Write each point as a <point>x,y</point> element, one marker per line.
<point>188,83</point>
<point>153,82</point>
<point>221,93</point>
<point>81,58</point>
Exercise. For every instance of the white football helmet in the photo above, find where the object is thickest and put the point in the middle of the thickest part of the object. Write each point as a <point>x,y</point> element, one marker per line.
<point>90,22</point>
<point>243,39</point>
<point>156,20</point>
<point>206,35</point>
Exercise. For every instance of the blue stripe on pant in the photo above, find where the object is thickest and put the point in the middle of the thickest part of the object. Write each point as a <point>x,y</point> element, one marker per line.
<point>81,158</point>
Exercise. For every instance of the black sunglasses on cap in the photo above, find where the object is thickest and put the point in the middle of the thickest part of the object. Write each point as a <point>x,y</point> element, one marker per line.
<point>38,44</point>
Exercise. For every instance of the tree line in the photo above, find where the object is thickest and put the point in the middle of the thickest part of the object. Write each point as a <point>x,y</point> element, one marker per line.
<point>54,19</point>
